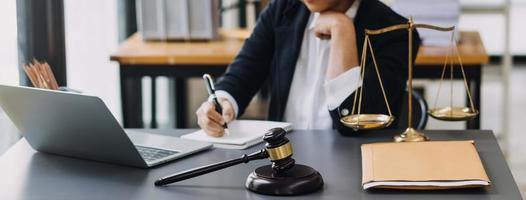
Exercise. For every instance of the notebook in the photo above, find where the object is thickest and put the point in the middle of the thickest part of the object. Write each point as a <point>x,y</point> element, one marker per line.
<point>241,134</point>
<point>422,165</point>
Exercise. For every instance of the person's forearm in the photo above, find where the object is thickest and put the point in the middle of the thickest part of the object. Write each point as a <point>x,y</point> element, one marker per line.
<point>344,54</point>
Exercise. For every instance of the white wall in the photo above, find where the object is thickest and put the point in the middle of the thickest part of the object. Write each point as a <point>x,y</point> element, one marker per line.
<point>91,36</point>
<point>8,43</point>
<point>491,26</point>
<point>8,67</point>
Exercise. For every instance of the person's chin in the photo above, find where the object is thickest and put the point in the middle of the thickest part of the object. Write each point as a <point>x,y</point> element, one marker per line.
<point>313,7</point>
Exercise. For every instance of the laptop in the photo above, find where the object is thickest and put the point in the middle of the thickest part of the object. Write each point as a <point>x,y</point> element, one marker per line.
<point>81,126</point>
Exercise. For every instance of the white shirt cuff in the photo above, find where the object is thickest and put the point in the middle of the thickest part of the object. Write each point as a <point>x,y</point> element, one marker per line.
<point>230,98</point>
<point>340,87</point>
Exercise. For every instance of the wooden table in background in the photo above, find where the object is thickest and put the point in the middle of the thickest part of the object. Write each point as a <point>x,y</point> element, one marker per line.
<point>178,60</point>
<point>182,60</point>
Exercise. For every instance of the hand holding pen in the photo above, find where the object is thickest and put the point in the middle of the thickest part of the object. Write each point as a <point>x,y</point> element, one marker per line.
<point>213,115</point>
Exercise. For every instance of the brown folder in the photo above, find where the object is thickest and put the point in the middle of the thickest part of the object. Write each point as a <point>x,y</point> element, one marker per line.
<point>422,165</point>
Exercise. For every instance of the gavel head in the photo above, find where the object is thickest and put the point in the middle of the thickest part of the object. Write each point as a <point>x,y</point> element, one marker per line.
<point>279,150</point>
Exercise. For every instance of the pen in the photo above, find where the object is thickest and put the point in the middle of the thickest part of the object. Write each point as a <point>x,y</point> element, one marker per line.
<point>211,92</point>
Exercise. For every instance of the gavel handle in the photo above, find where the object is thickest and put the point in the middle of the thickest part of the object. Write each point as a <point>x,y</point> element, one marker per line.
<point>210,168</point>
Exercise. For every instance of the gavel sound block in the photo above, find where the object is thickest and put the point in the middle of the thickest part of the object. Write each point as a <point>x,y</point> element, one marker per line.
<point>282,177</point>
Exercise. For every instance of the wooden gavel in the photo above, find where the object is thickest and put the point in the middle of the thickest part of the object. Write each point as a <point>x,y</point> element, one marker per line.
<point>278,149</point>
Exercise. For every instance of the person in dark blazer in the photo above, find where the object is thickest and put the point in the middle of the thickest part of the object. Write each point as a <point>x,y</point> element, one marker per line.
<point>309,53</point>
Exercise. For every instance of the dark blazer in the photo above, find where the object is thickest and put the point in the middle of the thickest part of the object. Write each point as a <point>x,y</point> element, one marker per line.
<point>272,50</point>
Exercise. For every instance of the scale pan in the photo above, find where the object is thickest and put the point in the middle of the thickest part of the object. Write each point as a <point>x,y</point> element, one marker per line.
<point>453,113</point>
<point>367,121</point>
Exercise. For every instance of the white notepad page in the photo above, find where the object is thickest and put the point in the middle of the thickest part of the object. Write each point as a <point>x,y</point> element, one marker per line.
<point>241,133</point>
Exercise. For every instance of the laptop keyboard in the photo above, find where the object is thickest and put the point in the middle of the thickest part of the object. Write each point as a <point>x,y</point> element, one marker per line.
<point>150,154</point>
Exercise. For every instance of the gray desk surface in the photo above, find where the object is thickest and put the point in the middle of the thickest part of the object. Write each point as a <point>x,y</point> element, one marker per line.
<point>26,174</point>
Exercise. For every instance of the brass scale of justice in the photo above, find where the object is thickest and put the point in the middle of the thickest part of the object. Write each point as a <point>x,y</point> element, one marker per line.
<point>358,121</point>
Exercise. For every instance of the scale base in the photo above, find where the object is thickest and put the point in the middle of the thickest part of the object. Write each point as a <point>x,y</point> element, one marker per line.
<point>298,180</point>
<point>411,135</point>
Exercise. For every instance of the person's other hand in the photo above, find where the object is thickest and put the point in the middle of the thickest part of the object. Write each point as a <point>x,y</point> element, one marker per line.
<point>330,22</point>
<point>339,28</point>
<point>211,121</point>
